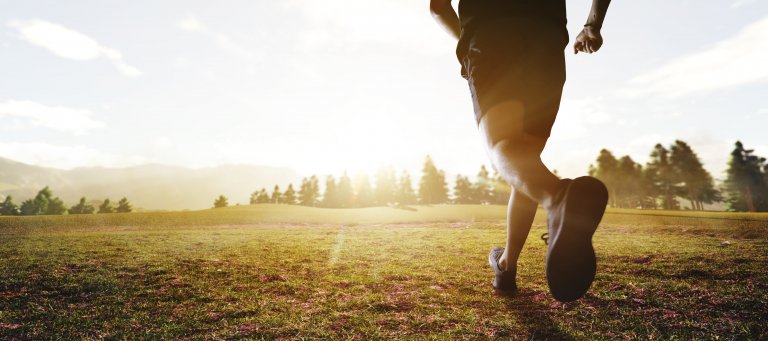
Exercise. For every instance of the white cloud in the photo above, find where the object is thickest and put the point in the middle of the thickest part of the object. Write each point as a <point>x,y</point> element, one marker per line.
<point>740,3</point>
<point>732,62</point>
<point>346,24</point>
<point>64,157</point>
<point>190,23</point>
<point>163,142</point>
<point>72,120</point>
<point>70,44</point>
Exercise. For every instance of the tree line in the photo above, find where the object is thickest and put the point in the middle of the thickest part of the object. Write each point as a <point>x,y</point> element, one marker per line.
<point>677,172</point>
<point>671,173</point>
<point>390,188</point>
<point>44,203</point>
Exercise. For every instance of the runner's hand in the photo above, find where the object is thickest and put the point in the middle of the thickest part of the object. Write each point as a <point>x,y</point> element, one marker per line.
<point>589,40</point>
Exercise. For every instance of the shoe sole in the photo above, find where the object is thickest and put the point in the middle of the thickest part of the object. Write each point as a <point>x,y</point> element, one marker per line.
<point>571,262</point>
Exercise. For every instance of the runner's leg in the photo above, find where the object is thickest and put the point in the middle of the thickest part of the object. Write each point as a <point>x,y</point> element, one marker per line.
<point>520,213</point>
<point>516,154</point>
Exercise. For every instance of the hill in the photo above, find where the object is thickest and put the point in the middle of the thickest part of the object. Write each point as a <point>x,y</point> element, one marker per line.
<point>152,186</point>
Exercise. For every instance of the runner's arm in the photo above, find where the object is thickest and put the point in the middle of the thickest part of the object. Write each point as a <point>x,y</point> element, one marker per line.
<point>590,39</point>
<point>444,14</point>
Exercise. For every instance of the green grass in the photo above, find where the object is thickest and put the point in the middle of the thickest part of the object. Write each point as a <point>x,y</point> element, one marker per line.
<point>293,272</point>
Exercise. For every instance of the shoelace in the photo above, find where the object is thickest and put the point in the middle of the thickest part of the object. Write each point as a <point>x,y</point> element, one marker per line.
<point>545,238</point>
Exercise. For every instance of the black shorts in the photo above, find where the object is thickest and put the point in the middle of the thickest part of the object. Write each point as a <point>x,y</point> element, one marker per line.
<point>517,60</point>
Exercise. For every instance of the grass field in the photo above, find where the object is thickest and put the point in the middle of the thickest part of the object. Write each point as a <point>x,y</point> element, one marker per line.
<point>272,271</point>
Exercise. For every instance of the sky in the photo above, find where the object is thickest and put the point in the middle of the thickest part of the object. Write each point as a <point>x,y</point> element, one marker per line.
<point>329,86</point>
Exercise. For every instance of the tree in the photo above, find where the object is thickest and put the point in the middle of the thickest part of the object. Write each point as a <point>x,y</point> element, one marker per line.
<point>260,197</point>
<point>386,186</point>
<point>315,188</point>
<point>28,207</point>
<point>698,186</point>
<point>606,170</point>
<point>56,206</point>
<point>664,176</point>
<point>220,202</point>
<point>363,190</point>
<point>309,192</point>
<point>82,208</point>
<point>43,203</point>
<point>483,188</point>
<point>745,185</point>
<point>331,196</point>
<point>305,193</point>
<point>628,183</point>
<point>289,197</point>
<point>405,192</point>
<point>650,191</point>
<point>276,195</point>
<point>106,207</point>
<point>123,206</point>
<point>463,192</point>
<point>7,207</point>
<point>346,194</point>
<point>432,187</point>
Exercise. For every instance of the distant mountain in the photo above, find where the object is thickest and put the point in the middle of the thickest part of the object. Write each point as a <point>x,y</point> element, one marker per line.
<point>152,186</point>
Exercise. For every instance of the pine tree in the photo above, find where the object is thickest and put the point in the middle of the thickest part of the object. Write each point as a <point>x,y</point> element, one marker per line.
<point>82,208</point>
<point>276,195</point>
<point>745,184</point>
<point>43,203</point>
<point>405,192</point>
<point>331,196</point>
<point>345,192</point>
<point>649,189</point>
<point>664,176</point>
<point>306,196</point>
<point>56,206</point>
<point>263,197</point>
<point>628,182</point>
<point>698,183</point>
<point>41,200</point>
<point>309,192</point>
<point>289,197</point>
<point>315,188</point>
<point>432,187</point>
<point>106,207</point>
<point>483,188</point>
<point>123,206</point>
<point>709,194</point>
<point>463,191</point>
<point>28,207</point>
<point>8,207</point>
<point>254,199</point>
<point>606,170</point>
<point>220,202</point>
<point>364,191</point>
<point>386,186</point>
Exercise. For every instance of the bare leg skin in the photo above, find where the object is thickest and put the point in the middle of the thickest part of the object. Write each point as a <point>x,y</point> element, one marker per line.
<point>516,155</point>
<point>520,213</point>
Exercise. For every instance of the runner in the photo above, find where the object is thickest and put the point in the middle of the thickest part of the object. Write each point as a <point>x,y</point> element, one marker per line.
<point>511,53</point>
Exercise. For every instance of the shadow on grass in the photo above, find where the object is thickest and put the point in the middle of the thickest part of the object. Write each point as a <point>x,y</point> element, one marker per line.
<point>532,312</point>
